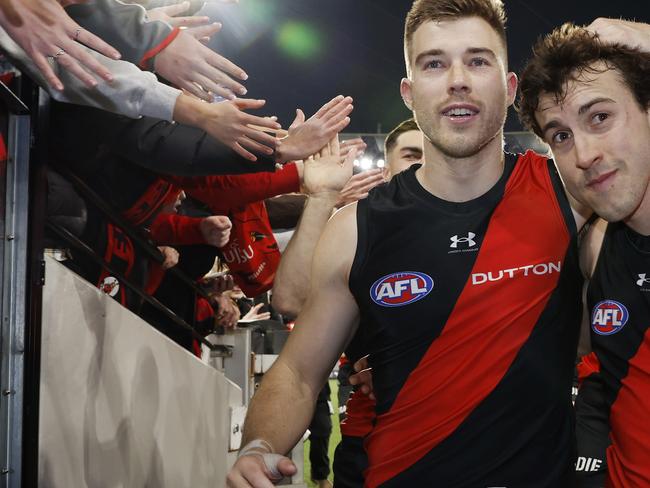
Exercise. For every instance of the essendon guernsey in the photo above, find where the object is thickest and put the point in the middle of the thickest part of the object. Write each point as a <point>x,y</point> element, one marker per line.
<point>470,312</point>
<point>618,298</point>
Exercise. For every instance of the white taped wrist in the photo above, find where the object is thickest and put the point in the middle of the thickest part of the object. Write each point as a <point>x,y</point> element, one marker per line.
<point>257,446</point>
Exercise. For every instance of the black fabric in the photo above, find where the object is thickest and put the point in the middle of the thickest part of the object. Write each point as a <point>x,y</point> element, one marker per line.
<point>618,299</point>
<point>592,433</point>
<point>81,134</point>
<point>622,260</point>
<point>64,207</point>
<point>320,430</point>
<point>345,388</point>
<point>350,461</point>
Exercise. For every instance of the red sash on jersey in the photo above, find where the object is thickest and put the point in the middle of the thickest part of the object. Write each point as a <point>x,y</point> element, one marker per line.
<point>359,415</point>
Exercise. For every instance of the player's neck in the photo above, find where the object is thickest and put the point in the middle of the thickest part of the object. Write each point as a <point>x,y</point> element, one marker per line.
<point>462,179</point>
<point>639,221</point>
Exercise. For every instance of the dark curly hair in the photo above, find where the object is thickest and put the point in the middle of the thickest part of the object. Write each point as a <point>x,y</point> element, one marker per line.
<point>565,55</point>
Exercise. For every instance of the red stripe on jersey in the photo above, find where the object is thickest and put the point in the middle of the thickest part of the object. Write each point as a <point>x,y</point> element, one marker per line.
<point>628,457</point>
<point>486,329</point>
<point>359,415</point>
<point>588,365</point>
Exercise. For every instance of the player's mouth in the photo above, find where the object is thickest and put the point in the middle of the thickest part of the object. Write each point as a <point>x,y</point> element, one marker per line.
<point>460,113</point>
<point>602,182</point>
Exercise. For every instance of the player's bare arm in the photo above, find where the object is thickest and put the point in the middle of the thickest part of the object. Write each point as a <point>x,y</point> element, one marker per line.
<point>327,322</point>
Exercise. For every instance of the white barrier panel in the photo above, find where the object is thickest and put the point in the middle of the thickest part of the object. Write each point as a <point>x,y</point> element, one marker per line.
<point>121,405</point>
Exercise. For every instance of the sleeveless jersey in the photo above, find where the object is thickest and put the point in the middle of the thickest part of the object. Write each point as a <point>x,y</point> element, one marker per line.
<point>618,298</point>
<point>470,313</point>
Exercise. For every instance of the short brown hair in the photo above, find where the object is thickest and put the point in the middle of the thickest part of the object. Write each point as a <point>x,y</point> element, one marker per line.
<point>565,55</point>
<point>391,139</point>
<point>422,11</point>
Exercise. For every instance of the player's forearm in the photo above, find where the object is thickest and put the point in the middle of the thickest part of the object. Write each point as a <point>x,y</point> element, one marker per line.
<point>281,409</point>
<point>293,277</point>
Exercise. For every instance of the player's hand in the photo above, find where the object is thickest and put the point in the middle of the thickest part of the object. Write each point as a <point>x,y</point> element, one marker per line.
<point>216,230</point>
<point>259,471</point>
<point>307,137</point>
<point>190,65</point>
<point>616,31</point>
<point>227,122</point>
<point>359,185</point>
<point>363,377</point>
<point>326,173</point>
<point>254,314</point>
<point>170,257</point>
<point>45,31</point>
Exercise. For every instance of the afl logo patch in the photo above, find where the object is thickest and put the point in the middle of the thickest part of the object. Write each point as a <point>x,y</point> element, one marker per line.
<point>399,289</point>
<point>609,317</point>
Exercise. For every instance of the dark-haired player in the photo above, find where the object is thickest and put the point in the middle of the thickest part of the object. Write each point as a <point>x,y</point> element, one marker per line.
<point>588,97</point>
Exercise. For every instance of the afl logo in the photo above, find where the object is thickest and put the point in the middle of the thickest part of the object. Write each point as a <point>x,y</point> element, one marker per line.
<point>608,317</point>
<point>399,289</point>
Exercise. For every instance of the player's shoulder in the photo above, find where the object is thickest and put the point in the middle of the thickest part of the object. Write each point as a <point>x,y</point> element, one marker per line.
<point>590,246</point>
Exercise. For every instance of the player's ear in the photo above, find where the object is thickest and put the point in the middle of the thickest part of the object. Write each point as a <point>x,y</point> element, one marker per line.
<point>512,83</point>
<point>405,90</point>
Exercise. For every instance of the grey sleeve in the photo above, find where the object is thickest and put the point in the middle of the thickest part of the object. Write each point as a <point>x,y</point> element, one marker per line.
<point>132,93</point>
<point>123,26</point>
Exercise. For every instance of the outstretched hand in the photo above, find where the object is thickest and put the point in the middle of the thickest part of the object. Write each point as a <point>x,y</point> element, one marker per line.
<point>359,185</point>
<point>327,172</point>
<point>307,137</point>
<point>190,65</point>
<point>227,122</point>
<point>45,31</point>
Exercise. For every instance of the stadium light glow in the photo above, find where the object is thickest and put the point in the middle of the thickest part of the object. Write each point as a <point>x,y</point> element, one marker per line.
<point>299,40</point>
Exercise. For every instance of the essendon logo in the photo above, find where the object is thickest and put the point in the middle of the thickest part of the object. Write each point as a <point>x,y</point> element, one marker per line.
<point>399,289</point>
<point>608,317</point>
<point>110,286</point>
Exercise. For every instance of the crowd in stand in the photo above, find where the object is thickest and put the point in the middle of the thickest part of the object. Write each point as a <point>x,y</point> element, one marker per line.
<point>148,122</point>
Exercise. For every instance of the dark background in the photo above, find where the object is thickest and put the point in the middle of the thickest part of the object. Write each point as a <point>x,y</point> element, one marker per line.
<point>357,49</point>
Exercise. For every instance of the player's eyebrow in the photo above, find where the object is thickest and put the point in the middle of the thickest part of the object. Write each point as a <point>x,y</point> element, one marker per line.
<point>584,108</point>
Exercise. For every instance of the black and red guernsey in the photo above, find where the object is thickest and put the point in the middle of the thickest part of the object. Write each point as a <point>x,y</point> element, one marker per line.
<point>619,302</point>
<point>470,312</point>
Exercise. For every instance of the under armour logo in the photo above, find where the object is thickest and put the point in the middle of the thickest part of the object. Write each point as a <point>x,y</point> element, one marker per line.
<point>643,280</point>
<point>455,240</point>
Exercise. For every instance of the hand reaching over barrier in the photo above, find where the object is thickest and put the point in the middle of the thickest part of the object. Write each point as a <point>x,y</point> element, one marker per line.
<point>45,31</point>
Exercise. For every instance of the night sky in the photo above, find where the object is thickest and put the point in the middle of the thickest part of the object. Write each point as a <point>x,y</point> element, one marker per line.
<point>301,53</point>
